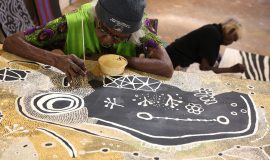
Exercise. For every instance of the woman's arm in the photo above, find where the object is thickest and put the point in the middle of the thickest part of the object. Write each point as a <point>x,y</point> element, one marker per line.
<point>237,68</point>
<point>69,64</point>
<point>158,62</point>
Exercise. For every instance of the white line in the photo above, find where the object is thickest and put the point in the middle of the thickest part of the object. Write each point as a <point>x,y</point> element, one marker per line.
<point>122,81</point>
<point>232,148</point>
<point>266,132</point>
<point>259,68</point>
<point>4,75</point>
<point>235,157</point>
<point>115,151</point>
<point>222,158</point>
<point>139,79</point>
<point>248,147</point>
<point>244,76</point>
<point>200,158</point>
<point>267,145</point>
<point>266,154</point>
<point>83,47</point>
<point>247,65</point>
<point>266,68</point>
<point>18,75</point>
<point>252,65</point>
<point>14,77</point>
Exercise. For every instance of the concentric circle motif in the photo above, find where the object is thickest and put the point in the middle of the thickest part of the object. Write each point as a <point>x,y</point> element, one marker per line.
<point>223,120</point>
<point>145,116</point>
<point>56,103</point>
<point>234,104</point>
<point>234,113</point>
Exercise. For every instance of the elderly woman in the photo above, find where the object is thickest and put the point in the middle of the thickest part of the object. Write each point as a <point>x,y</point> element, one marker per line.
<point>202,46</point>
<point>109,26</point>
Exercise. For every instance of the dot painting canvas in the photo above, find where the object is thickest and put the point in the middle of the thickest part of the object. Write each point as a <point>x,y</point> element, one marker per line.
<point>132,116</point>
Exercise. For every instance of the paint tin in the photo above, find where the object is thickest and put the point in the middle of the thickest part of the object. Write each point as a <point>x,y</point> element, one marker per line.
<point>112,64</point>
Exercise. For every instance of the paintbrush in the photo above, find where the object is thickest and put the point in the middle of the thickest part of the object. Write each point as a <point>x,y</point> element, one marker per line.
<point>85,81</point>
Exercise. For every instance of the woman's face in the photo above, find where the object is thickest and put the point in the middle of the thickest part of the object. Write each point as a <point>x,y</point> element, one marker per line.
<point>107,36</point>
<point>229,38</point>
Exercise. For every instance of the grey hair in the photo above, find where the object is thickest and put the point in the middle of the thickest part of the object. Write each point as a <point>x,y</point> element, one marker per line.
<point>232,25</point>
<point>94,2</point>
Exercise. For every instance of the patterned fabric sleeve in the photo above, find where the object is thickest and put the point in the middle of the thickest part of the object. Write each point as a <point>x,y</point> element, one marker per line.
<point>150,38</point>
<point>50,36</point>
<point>146,37</point>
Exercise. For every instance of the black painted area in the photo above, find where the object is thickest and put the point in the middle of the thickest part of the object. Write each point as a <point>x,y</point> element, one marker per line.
<point>61,104</point>
<point>105,150</point>
<point>170,131</point>
<point>46,67</point>
<point>20,72</point>
<point>48,144</point>
<point>95,83</point>
<point>65,82</point>
<point>12,74</point>
<point>136,154</point>
<point>8,78</point>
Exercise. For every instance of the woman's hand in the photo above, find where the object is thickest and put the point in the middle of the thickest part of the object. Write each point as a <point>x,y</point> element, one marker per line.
<point>71,65</point>
<point>238,68</point>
